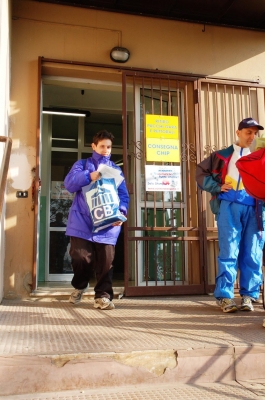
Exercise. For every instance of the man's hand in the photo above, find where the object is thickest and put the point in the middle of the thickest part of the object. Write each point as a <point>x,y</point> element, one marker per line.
<point>226,187</point>
<point>95,176</point>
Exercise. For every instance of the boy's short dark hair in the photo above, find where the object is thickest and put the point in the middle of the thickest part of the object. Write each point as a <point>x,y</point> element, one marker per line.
<point>101,135</point>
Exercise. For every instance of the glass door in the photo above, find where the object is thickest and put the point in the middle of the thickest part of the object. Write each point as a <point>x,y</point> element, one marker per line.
<point>67,139</point>
<point>59,152</point>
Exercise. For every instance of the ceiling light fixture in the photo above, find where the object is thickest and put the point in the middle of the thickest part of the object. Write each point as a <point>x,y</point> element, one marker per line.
<point>66,140</point>
<point>119,54</point>
<point>66,111</point>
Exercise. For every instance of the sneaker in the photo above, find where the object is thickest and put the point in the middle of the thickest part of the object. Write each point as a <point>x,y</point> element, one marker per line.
<point>246,304</point>
<point>76,296</point>
<point>103,303</point>
<point>258,301</point>
<point>227,305</point>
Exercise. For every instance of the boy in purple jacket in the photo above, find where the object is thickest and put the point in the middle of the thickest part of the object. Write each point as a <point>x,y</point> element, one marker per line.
<point>93,251</point>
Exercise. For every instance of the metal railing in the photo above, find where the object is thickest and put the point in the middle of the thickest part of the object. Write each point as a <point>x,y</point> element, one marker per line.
<point>4,169</point>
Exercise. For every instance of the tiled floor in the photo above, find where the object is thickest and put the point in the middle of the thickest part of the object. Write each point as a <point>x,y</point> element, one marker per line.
<point>209,391</point>
<point>54,326</point>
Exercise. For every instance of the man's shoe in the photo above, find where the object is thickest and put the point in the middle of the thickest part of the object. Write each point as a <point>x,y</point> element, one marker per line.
<point>103,303</point>
<point>76,296</point>
<point>227,305</point>
<point>246,304</point>
<point>258,301</point>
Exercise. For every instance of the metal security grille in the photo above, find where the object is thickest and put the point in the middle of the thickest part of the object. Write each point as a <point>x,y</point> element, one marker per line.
<point>164,247</point>
<point>221,106</point>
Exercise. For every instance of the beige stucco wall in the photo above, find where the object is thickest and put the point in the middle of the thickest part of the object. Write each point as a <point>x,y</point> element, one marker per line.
<point>76,34</point>
<point>5,23</point>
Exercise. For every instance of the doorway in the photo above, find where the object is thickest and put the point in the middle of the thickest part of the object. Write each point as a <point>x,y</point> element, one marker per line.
<point>170,236</point>
<point>64,140</point>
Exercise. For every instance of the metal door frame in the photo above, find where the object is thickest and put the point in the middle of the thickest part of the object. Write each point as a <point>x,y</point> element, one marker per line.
<point>208,233</point>
<point>157,289</point>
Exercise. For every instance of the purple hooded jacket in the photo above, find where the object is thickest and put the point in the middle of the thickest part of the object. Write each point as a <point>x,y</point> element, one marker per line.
<point>79,221</point>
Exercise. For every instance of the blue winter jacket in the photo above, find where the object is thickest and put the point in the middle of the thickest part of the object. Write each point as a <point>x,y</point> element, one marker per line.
<point>79,221</point>
<point>210,176</point>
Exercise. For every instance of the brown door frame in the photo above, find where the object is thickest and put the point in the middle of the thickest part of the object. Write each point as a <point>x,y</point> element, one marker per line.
<point>155,290</point>
<point>204,229</point>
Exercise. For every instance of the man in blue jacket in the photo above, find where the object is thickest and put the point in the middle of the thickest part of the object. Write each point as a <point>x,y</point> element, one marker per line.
<point>240,220</point>
<point>93,251</point>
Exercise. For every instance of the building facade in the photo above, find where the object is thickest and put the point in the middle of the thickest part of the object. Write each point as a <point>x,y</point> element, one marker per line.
<point>200,80</point>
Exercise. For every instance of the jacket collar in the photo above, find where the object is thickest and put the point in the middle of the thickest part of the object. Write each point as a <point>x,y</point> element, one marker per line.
<point>99,158</point>
<point>242,151</point>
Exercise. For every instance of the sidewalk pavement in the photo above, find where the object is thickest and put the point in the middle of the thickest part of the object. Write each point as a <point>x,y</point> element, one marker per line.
<point>185,344</point>
<point>209,391</point>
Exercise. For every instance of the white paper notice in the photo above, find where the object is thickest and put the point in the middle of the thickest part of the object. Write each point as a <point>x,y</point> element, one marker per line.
<point>109,172</point>
<point>59,192</point>
<point>162,178</point>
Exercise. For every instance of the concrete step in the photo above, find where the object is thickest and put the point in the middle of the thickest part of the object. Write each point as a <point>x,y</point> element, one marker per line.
<point>210,391</point>
<point>64,292</point>
<point>47,344</point>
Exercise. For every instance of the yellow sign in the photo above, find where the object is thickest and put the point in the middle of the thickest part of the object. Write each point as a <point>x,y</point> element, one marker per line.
<point>166,150</point>
<point>161,126</point>
<point>162,138</point>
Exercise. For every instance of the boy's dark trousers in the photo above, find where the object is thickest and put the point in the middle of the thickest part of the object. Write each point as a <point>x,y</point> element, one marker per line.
<point>88,257</point>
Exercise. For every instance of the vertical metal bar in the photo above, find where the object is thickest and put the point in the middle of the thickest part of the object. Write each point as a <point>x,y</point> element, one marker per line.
<point>179,126</point>
<point>144,147</point>
<point>183,261</point>
<point>161,113</point>
<point>257,100</point>
<point>173,262</point>
<point>135,192</point>
<point>153,111</point>
<point>135,158</point>
<point>188,146</point>
<point>216,116</point>
<point>169,106</point>
<point>124,129</point>
<point>146,244</point>
<point>164,244</point>
<point>160,97</point>
<point>249,102</point>
<point>188,193</point>
<point>208,133</point>
<point>152,97</point>
<point>147,260</point>
<point>233,107</point>
<point>180,141</point>
<point>190,258</point>
<point>156,261</point>
<point>225,116</point>
<point>215,257</point>
<point>241,103</point>
<point>183,182</point>
<point>201,199</point>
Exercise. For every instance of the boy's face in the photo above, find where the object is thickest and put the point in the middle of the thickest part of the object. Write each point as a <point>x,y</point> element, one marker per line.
<point>246,136</point>
<point>103,147</point>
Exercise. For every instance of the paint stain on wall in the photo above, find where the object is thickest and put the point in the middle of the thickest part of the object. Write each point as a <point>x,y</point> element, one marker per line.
<point>21,163</point>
